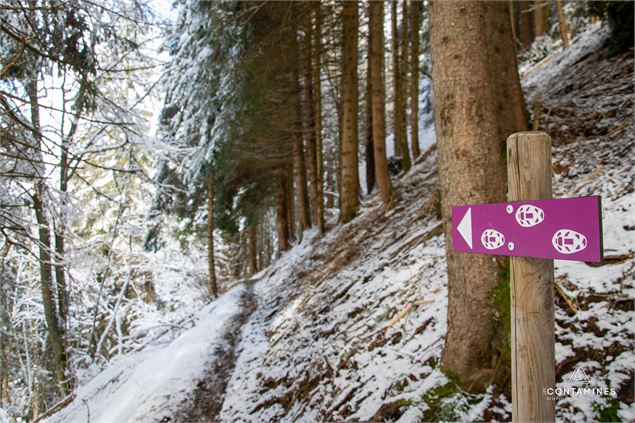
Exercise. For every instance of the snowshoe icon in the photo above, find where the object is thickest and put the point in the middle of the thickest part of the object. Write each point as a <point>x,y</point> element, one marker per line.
<point>528,215</point>
<point>492,239</point>
<point>567,241</point>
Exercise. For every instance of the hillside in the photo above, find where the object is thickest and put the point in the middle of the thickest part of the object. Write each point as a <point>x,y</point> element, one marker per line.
<point>351,326</point>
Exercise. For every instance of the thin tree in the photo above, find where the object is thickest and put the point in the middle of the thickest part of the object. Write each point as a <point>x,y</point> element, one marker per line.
<point>378,97</point>
<point>299,159</point>
<point>541,17</point>
<point>562,24</point>
<point>211,267</point>
<point>310,132</point>
<point>396,75</point>
<point>282,224</point>
<point>349,168</point>
<point>467,40</point>
<point>526,30</point>
<point>415,23</point>
<point>252,251</point>
<point>317,109</point>
<point>55,332</point>
<point>403,87</point>
<point>370,154</point>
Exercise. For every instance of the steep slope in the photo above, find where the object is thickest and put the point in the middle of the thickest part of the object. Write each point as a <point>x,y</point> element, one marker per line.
<point>324,348</point>
<point>351,326</point>
<point>359,329</point>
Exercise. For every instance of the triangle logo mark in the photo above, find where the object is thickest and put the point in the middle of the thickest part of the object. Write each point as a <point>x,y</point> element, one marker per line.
<point>579,375</point>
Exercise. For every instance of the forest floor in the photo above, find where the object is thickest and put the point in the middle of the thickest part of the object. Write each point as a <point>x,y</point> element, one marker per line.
<point>351,326</point>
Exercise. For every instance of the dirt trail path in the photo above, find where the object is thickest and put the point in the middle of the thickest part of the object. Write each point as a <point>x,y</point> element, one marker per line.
<point>210,391</point>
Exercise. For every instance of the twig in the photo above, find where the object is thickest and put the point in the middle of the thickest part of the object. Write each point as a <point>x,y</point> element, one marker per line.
<point>63,403</point>
<point>566,298</point>
<point>405,311</point>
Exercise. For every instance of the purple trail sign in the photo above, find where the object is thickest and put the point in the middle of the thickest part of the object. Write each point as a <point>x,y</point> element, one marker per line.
<point>565,229</point>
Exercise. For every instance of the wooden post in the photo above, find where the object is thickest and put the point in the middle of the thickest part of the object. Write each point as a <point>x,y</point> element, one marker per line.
<point>532,301</point>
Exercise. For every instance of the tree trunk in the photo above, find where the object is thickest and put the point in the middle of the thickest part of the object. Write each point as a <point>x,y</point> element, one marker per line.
<point>317,108</point>
<point>281,211</point>
<point>510,103</point>
<point>44,249</point>
<point>396,92</point>
<point>211,268</point>
<point>310,132</point>
<point>290,199</point>
<point>46,281</point>
<point>299,161</point>
<point>512,21</point>
<point>471,125</point>
<point>252,258</point>
<point>331,184</point>
<point>370,156</point>
<point>403,88</point>
<point>541,17</point>
<point>526,30</point>
<point>562,23</point>
<point>59,227</point>
<point>350,178</point>
<point>338,169</point>
<point>299,166</point>
<point>59,244</point>
<point>415,15</point>
<point>378,97</point>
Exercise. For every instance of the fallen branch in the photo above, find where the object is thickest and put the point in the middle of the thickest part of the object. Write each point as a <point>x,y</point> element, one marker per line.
<point>566,298</point>
<point>63,403</point>
<point>437,230</point>
<point>405,311</point>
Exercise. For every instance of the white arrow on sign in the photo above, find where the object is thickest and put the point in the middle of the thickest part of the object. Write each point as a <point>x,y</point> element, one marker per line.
<point>465,227</point>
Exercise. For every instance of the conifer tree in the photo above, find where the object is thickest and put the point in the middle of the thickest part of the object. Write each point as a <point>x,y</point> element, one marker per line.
<point>471,127</point>
<point>349,168</point>
<point>377,89</point>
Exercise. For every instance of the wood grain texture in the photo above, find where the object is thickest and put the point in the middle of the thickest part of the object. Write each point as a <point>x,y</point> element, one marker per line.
<point>532,301</point>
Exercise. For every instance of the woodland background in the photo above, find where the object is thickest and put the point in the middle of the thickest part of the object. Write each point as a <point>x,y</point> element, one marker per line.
<point>155,155</point>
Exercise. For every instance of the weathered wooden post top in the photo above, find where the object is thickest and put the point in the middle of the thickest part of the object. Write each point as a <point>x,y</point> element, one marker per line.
<point>533,229</point>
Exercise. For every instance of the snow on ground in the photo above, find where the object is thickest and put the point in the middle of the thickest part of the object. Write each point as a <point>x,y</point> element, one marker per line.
<point>326,349</point>
<point>351,326</point>
<point>587,108</point>
<point>152,384</point>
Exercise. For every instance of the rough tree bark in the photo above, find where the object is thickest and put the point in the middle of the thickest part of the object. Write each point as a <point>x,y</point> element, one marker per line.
<point>378,97</point>
<point>349,195</point>
<point>468,39</point>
